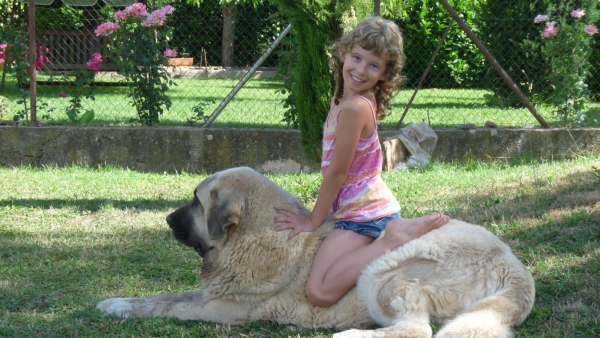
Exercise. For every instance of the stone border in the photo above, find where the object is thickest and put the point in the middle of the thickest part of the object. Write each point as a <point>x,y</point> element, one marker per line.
<point>196,150</point>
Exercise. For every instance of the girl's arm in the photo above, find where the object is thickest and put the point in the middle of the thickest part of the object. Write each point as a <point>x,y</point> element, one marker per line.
<point>354,117</point>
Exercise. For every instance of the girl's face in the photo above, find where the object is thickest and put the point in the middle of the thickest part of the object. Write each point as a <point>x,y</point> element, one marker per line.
<point>362,69</point>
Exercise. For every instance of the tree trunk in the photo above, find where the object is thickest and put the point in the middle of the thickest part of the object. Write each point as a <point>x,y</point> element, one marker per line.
<point>229,18</point>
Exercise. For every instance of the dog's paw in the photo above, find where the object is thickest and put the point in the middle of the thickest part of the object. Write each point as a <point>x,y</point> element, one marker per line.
<point>352,334</point>
<point>122,307</point>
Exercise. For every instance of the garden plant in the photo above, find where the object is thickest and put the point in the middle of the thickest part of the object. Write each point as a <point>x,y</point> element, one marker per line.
<point>141,54</point>
<point>81,86</point>
<point>567,46</point>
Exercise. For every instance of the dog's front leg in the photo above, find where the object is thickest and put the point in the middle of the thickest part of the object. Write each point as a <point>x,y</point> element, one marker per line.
<point>184,306</point>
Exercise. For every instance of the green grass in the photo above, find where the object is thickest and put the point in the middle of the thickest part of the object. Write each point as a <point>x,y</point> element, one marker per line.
<point>258,105</point>
<point>74,236</point>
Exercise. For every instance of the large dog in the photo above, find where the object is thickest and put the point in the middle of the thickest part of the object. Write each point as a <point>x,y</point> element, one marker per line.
<point>460,274</point>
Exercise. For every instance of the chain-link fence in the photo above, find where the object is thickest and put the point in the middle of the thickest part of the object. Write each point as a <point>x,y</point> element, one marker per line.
<point>223,42</point>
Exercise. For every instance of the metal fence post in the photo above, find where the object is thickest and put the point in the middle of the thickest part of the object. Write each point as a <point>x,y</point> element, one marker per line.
<point>32,50</point>
<point>246,77</point>
<point>437,50</point>
<point>490,58</point>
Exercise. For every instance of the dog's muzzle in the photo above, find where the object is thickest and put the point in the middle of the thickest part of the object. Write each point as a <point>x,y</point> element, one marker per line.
<point>180,221</point>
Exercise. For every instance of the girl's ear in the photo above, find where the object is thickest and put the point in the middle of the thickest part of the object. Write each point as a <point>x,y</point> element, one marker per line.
<point>341,56</point>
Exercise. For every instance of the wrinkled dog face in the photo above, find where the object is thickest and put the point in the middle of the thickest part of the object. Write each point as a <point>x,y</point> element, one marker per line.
<point>183,223</point>
<point>204,220</point>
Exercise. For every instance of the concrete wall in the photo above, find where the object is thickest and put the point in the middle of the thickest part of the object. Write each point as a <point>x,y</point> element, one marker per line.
<point>176,149</point>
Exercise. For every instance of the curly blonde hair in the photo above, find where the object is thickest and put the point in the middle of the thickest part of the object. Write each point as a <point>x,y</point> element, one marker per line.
<point>384,38</point>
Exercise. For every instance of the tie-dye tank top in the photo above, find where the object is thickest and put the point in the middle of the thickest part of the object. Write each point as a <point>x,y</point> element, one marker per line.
<point>363,196</point>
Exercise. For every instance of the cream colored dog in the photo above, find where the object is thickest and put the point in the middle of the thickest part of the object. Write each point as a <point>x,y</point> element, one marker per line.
<point>460,275</point>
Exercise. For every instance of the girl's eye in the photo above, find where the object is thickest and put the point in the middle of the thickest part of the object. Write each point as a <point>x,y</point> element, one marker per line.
<point>375,66</point>
<point>356,58</point>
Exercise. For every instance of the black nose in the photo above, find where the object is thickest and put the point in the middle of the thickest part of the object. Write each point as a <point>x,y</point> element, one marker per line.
<point>170,220</point>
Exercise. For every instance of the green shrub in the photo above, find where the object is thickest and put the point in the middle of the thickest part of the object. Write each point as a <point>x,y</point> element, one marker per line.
<point>315,24</point>
<point>459,62</point>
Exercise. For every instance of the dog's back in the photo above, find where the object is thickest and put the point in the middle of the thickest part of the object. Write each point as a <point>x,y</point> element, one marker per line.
<point>459,273</point>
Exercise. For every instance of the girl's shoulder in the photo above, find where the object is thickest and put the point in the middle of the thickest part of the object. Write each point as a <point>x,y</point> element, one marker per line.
<point>358,105</point>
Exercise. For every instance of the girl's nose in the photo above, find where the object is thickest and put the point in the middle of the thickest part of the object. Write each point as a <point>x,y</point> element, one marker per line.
<point>361,68</point>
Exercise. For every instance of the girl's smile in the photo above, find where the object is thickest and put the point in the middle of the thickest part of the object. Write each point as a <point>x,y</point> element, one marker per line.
<point>362,70</point>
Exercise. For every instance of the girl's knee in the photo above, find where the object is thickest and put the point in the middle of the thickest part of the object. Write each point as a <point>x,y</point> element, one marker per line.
<point>318,298</point>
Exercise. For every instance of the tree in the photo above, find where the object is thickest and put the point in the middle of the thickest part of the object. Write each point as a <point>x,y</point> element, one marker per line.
<point>229,9</point>
<point>316,24</point>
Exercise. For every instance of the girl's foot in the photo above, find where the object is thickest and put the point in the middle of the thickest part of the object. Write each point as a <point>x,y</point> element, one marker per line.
<point>401,231</point>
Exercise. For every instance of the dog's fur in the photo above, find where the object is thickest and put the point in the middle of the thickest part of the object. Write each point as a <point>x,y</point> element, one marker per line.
<point>460,274</point>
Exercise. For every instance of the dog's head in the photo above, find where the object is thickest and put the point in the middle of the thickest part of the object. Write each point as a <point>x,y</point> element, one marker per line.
<point>230,223</point>
<point>218,203</point>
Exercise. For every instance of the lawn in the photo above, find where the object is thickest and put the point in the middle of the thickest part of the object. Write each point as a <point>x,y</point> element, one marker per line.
<point>74,236</point>
<point>258,104</point>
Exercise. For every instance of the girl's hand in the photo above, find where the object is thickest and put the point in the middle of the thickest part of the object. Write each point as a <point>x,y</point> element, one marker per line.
<point>298,223</point>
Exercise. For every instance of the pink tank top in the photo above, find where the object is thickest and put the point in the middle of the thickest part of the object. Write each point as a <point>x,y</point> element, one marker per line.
<point>363,196</point>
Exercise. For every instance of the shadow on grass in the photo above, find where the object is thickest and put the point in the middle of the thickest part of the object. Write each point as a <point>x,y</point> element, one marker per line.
<point>554,229</point>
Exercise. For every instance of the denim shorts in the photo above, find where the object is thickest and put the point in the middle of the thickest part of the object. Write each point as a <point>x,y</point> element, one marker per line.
<point>370,228</point>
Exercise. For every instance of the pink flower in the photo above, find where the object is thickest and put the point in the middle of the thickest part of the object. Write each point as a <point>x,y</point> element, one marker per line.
<point>551,30</point>
<point>39,124</point>
<point>170,53</point>
<point>62,94</point>
<point>95,62</point>
<point>591,30</point>
<point>121,15</point>
<point>156,18</point>
<point>168,9</point>
<point>39,64</point>
<point>540,18</point>
<point>41,59</point>
<point>107,28</point>
<point>137,10</point>
<point>578,13</point>
<point>2,51</point>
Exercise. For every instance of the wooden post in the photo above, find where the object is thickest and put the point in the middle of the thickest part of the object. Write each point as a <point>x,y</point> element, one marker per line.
<point>377,7</point>
<point>494,63</point>
<point>32,49</point>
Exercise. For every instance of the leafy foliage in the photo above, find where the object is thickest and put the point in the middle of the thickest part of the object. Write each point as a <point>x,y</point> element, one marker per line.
<point>459,63</point>
<point>315,26</point>
<point>199,112</point>
<point>14,48</point>
<point>142,62</point>
<point>253,34</point>
<point>78,88</point>
<point>567,48</point>
<point>287,62</point>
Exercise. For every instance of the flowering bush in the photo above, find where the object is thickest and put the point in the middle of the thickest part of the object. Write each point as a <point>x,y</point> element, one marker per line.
<point>14,53</point>
<point>81,87</point>
<point>3,51</point>
<point>142,46</point>
<point>170,53</point>
<point>567,46</point>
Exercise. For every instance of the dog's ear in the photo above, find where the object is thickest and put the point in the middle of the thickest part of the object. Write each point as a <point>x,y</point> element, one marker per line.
<point>225,210</point>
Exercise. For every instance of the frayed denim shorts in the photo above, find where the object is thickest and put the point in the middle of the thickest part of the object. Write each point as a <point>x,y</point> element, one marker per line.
<point>370,228</point>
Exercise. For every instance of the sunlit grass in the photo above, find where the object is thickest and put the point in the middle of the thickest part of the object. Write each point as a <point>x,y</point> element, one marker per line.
<point>74,236</point>
<point>259,105</point>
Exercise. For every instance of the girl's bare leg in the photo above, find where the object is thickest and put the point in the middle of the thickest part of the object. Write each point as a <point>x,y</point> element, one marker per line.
<point>344,254</point>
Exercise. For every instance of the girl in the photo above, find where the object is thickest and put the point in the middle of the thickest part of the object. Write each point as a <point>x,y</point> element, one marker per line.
<point>366,63</point>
